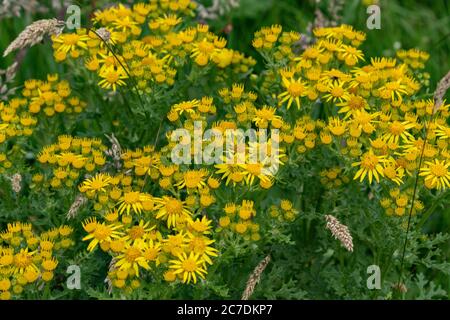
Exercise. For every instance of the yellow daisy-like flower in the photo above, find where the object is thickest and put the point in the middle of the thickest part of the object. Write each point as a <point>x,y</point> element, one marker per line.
<point>171,209</point>
<point>186,106</point>
<point>189,267</point>
<point>436,173</point>
<point>200,245</point>
<point>350,54</point>
<point>133,200</point>
<point>397,130</point>
<point>264,115</point>
<point>96,183</point>
<point>139,231</point>
<point>71,41</point>
<point>295,89</point>
<point>336,92</point>
<point>193,179</point>
<point>132,257</point>
<point>23,261</point>
<point>370,165</point>
<point>100,232</point>
<point>202,225</point>
<point>152,251</point>
<point>112,77</point>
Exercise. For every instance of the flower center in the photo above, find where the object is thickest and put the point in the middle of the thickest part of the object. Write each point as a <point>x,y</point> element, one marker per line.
<point>189,265</point>
<point>438,170</point>
<point>174,206</point>
<point>136,232</point>
<point>132,254</point>
<point>22,260</point>
<point>71,39</point>
<point>112,77</point>
<point>102,232</point>
<point>397,128</point>
<point>337,92</point>
<point>369,161</point>
<point>131,197</point>
<point>96,184</point>
<point>296,89</point>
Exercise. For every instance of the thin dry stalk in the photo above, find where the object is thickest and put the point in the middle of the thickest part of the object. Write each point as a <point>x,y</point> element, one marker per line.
<point>115,152</point>
<point>35,33</point>
<point>104,34</point>
<point>254,278</point>
<point>441,89</point>
<point>79,201</point>
<point>217,9</point>
<point>6,80</point>
<point>340,232</point>
<point>16,182</point>
<point>112,267</point>
<point>14,8</point>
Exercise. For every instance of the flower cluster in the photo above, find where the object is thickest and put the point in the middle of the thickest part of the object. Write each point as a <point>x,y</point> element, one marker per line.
<point>70,158</point>
<point>239,219</point>
<point>371,118</point>
<point>167,211</point>
<point>284,212</point>
<point>151,60</point>
<point>333,178</point>
<point>28,259</point>
<point>399,203</point>
<point>20,115</point>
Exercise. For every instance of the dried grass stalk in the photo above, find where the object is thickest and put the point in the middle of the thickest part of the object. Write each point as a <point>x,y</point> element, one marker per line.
<point>340,232</point>
<point>16,182</point>
<point>13,8</point>
<point>35,33</point>
<point>254,278</point>
<point>104,34</point>
<point>217,9</point>
<point>79,201</point>
<point>111,268</point>
<point>6,79</point>
<point>115,153</point>
<point>401,287</point>
<point>441,89</point>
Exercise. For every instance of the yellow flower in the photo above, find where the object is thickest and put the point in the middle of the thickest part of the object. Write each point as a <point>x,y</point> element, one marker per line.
<point>71,42</point>
<point>202,225</point>
<point>436,174</point>
<point>138,232</point>
<point>171,209</point>
<point>396,130</point>
<point>112,77</point>
<point>189,267</point>
<point>370,165</point>
<point>133,200</point>
<point>295,89</point>
<point>50,264</point>
<point>193,179</point>
<point>100,233</point>
<point>200,245</point>
<point>132,257</point>
<point>23,261</point>
<point>350,54</point>
<point>336,92</point>
<point>97,183</point>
